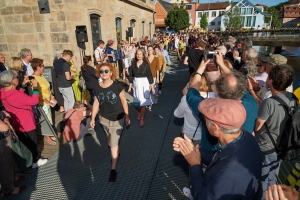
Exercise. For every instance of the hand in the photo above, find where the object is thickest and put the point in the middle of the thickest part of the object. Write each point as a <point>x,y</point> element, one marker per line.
<point>253,82</point>
<point>219,58</point>
<point>276,192</point>
<point>92,123</point>
<point>190,152</point>
<point>157,80</point>
<point>152,90</point>
<point>129,89</point>
<point>26,80</point>
<point>202,66</point>
<point>127,120</point>
<point>33,82</point>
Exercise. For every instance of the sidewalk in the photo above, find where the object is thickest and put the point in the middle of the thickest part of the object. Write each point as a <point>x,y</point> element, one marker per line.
<point>148,167</point>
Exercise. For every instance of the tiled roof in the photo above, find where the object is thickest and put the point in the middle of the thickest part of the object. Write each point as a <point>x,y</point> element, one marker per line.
<point>212,6</point>
<point>167,6</point>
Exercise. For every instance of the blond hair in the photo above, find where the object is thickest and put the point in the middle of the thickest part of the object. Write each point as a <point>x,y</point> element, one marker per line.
<point>16,64</point>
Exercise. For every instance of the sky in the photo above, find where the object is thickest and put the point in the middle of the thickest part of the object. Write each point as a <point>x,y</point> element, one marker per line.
<point>265,2</point>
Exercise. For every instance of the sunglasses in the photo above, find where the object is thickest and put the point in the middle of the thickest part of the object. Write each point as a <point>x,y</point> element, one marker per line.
<point>102,71</point>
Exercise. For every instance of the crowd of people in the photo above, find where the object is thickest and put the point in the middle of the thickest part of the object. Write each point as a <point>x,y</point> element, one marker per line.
<point>226,107</point>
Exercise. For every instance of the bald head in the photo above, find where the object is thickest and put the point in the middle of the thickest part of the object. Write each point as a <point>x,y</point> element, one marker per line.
<point>231,86</point>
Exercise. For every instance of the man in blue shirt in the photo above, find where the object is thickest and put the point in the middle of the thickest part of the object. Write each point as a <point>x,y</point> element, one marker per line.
<point>234,170</point>
<point>165,53</point>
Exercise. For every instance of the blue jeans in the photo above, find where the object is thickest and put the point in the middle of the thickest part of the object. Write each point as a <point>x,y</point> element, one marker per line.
<point>92,96</point>
<point>68,96</point>
<point>271,162</point>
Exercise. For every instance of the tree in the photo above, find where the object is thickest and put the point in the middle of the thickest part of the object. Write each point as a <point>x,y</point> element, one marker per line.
<point>203,21</point>
<point>178,18</point>
<point>275,16</point>
<point>232,17</point>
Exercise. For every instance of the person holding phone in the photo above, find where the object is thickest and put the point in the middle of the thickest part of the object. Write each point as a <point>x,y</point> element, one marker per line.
<point>140,77</point>
<point>111,104</point>
<point>20,107</point>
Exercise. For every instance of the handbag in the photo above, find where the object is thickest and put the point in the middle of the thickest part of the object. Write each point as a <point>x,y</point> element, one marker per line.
<point>22,155</point>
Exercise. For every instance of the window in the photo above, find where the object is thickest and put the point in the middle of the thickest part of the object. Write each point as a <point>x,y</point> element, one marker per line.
<point>249,11</point>
<point>95,29</point>
<point>243,11</point>
<point>243,21</point>
<point>132,24</point>
<point>221,13</point>
<point>198,23</point>
<point>212,23</point>
<point>188,7</point>
<point>199,14</point>
<point>118,29</point>
<point>253,21</point>
<point>214,14</point>
<point>206,14</point>
<point>150,29</point>
<point>248,21</point>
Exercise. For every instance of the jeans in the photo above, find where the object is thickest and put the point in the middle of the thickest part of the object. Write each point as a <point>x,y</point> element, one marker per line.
<point>7,165</point>
<point>92,96</point>
<point>68,96</point>
<point>271,162</point>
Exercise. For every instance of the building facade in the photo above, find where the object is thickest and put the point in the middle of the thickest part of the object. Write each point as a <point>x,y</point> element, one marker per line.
<point>47,35</point>
<point>213,12</point>
<point>161,11</point>
<point>290,15</point>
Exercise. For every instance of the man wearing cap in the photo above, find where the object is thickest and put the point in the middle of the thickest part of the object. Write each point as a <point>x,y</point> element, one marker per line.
<point>228,86</point>
<point>234,170</point>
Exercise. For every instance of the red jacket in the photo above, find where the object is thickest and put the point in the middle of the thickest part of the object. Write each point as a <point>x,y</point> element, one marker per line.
<point>19,106</point>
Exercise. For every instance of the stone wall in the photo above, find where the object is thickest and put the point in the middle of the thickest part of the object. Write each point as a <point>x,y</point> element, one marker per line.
<point>22,25</point>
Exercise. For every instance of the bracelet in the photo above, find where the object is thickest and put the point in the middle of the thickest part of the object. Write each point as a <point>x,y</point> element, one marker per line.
<point>199,73</point>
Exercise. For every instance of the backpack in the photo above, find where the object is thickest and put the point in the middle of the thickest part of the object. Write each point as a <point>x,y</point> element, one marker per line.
<point>288,147</point>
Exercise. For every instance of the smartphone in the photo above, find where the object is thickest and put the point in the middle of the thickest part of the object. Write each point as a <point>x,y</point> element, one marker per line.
<point>30,77</point>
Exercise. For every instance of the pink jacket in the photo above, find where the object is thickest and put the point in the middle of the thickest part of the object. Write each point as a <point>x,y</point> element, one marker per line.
<point>19,106</point>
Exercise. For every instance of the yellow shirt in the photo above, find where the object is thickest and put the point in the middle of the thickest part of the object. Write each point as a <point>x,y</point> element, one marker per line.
<point>44,88</point>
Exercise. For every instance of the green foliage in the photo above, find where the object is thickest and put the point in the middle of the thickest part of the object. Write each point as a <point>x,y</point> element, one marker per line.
<point>203,21</point>
<point>233,17</point>
<point>178,18</point>
<point>275,16</point>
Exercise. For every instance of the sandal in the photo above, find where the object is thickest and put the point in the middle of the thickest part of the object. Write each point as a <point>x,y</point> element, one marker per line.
<point>21,189</point>
<point>53,138</point>
<point>51,143</point>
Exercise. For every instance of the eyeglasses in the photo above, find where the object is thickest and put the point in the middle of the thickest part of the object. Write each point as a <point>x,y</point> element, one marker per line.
<point>102,71</point>
<point>42,65</point>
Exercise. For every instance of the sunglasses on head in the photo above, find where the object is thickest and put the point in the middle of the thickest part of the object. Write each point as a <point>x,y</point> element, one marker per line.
<point>102,71</point>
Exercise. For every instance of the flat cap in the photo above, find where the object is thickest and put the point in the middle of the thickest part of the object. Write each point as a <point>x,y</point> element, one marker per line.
<point>226,113</point>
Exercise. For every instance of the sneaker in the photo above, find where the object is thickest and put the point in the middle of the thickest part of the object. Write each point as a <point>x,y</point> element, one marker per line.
<point>39,163</point>
<point>112,176</point>
<point>187,193</point>
<point>159,91</point>
<point>150,108</point>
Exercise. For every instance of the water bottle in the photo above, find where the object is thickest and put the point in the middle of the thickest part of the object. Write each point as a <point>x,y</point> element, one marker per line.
<point>113,55</point>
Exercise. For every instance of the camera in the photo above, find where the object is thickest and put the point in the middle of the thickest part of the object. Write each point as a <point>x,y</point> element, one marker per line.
<point>210,55</point>
<point>30,77</point>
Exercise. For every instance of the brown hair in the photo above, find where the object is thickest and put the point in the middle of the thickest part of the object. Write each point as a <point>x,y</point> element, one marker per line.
<point>86,60</point>
<point>204,86</point>
<point>78,104</point>
<point>16,64</point>
<point>111,68</point>
<point>35,63</point>
<point>144,55</point>
<point>67,52</point>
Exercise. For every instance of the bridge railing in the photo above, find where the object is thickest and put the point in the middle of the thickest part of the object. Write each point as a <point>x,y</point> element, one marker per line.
<point>261,33</point>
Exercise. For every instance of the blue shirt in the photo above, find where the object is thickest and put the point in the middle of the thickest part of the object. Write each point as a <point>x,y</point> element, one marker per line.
<point>166,54</point>
<point>207,142</point>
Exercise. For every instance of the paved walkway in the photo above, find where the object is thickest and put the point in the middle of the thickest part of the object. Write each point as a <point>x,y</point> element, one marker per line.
<point>148,167</point>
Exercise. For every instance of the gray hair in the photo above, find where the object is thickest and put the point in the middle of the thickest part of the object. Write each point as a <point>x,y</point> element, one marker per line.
<point>225,130</point>
<point>24,52</point>
<point>7,76</point>
<point>231,86</point>
<point>248,43</point>
<point>250,54</point>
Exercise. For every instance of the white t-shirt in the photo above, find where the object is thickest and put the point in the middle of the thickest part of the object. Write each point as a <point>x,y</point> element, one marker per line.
<point>29,70</point>
<point>261,78</point>
<point>98,52</point>
<point>190,120</point>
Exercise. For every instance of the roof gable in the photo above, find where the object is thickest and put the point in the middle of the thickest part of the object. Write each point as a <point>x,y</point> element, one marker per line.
<point>246,3</point>
<point>212,6</point>
<point>165,5</point>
